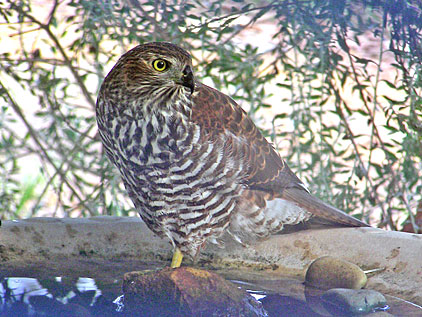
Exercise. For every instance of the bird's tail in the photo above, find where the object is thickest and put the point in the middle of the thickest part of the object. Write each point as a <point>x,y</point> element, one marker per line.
<point>320,209</point>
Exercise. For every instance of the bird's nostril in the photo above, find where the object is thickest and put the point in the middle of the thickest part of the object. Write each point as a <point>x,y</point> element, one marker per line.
<point>187,70</point>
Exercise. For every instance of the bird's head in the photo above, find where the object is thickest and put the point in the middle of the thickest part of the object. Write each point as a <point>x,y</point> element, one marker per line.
<point>154,69</point>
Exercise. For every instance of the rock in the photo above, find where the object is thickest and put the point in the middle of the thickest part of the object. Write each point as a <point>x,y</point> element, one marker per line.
<point>185,291</point>
<point>349,301</point>
<point>328,272</point>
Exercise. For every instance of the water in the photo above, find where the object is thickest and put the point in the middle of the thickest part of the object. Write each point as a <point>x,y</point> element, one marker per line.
<point>93,288</point>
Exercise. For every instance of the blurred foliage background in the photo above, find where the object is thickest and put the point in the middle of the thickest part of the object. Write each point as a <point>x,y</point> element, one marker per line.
<point>335,84</point>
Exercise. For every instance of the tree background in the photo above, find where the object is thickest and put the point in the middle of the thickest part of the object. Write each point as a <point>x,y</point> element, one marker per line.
<point>335,85</point>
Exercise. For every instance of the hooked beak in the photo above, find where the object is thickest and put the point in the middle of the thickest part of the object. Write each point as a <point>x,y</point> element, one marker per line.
<point>187,78</point>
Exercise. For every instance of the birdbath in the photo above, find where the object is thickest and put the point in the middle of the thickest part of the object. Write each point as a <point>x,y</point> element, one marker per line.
<point>107,244</point>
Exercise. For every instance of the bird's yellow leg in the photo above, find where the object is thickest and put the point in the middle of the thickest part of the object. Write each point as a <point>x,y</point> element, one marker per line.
<point>177,258</point>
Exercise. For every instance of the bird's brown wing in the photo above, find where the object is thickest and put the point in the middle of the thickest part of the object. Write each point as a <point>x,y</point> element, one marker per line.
<point>218,114</point>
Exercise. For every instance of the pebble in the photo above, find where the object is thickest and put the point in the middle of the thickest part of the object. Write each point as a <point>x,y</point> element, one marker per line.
<point>329,272</point>
<point>349,301</point>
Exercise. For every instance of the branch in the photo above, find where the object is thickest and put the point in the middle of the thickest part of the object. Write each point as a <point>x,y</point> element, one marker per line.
<point>44,152</point>
<point>67,61</point>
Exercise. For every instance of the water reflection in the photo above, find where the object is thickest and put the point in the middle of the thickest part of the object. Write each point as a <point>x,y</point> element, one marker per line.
<point>288,297</point>
<point>58,296</point>
<point>84,296</point>
<point>119,303</point>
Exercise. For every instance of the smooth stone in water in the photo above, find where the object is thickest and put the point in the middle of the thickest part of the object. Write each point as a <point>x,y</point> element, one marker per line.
<point>328,272</point>
<point>353,301</point>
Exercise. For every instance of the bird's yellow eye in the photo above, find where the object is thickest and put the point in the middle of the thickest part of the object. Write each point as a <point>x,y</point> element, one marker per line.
<point>160,65</point>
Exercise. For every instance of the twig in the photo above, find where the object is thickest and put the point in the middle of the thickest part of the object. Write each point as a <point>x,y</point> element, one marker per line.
<point>415,226</point>
<point>355,147</point>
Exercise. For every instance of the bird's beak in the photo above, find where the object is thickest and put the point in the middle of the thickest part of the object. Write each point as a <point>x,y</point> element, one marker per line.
<point>187,78</point>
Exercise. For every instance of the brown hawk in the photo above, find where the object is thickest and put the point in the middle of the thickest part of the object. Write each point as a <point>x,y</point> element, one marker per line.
<point>193,162</point>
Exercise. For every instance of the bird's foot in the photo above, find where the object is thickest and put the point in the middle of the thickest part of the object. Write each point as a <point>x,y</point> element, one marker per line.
<point>177,258</point>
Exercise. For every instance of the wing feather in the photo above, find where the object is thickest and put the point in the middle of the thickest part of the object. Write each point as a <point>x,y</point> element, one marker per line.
<point>217,113</point>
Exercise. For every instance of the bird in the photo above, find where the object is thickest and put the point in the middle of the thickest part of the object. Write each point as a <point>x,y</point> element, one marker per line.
<point>192,161</point>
